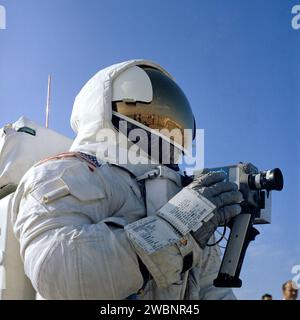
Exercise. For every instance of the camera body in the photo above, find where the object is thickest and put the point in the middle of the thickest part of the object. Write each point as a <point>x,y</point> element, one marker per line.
<point>257,195</point>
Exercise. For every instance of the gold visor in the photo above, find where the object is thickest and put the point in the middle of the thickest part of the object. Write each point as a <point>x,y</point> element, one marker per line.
<point>169,111</point>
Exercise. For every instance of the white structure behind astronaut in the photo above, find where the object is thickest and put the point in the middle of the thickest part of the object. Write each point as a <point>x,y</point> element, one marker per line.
<point>22,144</point>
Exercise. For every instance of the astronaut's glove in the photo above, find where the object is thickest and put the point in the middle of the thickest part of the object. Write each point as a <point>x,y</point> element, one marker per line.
<point>224,195</point>
<point>164,242</point>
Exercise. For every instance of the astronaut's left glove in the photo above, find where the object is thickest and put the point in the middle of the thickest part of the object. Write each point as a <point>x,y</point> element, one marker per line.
<point>166,242</point>
<point>224,195</point>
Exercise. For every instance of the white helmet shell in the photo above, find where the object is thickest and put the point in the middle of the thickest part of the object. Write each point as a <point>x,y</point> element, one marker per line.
<point>132,85</point>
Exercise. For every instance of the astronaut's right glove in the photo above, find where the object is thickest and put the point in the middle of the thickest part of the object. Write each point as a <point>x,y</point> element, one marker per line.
<point>224,195</point>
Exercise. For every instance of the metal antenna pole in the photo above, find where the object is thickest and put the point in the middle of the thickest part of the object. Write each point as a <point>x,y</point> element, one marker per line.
<point>48,101</point>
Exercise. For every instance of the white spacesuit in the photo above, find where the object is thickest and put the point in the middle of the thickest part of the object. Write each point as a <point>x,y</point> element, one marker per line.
<point>74,214</point>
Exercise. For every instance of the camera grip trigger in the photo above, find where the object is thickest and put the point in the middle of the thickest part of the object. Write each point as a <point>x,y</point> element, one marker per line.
<point>253,232</point>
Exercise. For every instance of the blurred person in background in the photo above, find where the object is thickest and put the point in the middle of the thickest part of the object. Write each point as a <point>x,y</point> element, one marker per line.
<point>289,290</point>
<point>267,296</point>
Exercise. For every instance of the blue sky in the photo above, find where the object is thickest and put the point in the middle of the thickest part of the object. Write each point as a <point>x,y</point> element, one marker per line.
<point>238,62</point>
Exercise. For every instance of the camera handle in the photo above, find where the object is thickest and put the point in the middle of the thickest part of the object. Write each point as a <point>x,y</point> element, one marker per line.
<point>242,232</point>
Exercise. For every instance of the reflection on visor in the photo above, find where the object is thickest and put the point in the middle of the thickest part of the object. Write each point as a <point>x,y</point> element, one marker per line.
<point>168,110</point>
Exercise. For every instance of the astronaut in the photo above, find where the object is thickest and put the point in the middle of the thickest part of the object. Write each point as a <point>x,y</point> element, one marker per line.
<point>93,227</point>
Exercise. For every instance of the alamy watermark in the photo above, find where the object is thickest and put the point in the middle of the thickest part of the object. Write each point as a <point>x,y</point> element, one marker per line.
<point>2,17</point>
<point>296,279</point>
<point>296,18</point>
<point>140,146</point>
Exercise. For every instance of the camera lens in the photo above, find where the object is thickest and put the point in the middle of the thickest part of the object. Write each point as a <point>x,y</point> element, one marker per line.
<point>269,180</point>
